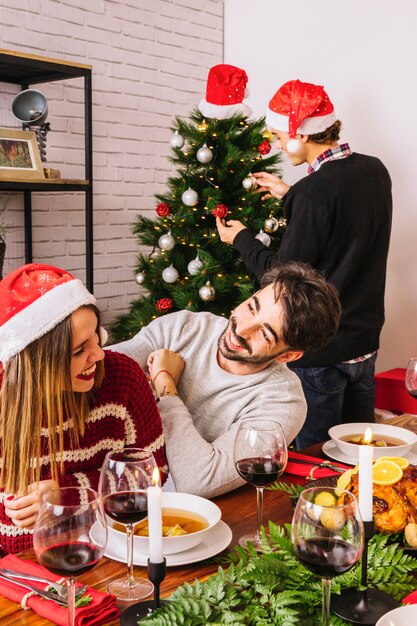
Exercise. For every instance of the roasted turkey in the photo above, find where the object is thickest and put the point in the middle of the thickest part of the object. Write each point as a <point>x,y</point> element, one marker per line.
<point>394,505</point>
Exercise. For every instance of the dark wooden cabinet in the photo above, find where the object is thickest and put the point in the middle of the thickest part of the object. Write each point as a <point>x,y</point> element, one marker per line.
<point>27,70</point>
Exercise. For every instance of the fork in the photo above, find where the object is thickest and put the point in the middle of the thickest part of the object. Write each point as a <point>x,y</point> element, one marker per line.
<point>62,590</point>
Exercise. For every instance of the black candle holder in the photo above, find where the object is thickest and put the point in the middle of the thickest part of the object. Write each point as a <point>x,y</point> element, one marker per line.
<point>363,607</point>
<point>137,612</point>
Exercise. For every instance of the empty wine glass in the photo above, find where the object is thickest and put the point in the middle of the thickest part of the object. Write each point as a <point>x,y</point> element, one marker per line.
<point>260,456</point>
<point>124,479</point>
<point>61,537</point>
<point>327,535</point>
<point>411,377</point>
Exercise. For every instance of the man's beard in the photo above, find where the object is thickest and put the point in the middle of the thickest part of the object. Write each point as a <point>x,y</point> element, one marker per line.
<point>232,355</point>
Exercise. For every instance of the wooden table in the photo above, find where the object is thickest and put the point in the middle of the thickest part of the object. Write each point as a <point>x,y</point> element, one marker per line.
<point>238,511</point>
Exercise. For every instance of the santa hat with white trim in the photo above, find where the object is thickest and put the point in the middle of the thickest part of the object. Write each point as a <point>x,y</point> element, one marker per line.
<point>33,300</point>
<point>226,88</point>
<point>301,108</point>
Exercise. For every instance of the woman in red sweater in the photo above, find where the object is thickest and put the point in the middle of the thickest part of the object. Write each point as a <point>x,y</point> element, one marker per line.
<point>64,402</point>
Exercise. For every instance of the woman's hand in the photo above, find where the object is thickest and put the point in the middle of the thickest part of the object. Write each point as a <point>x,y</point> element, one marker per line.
<point>228,230</point>
<point>273,185</point>
<point>165,369</point>
<point>22,510</point>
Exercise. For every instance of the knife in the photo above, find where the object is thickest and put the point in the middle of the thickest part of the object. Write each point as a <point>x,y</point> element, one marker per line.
<point>40,592</point>
<point>326,464</point>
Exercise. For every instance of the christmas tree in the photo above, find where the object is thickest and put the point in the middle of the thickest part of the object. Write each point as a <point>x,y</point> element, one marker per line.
<point>188,267</point>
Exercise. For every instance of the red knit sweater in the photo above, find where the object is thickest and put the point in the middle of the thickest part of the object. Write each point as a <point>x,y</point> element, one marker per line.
<point>124,413</point>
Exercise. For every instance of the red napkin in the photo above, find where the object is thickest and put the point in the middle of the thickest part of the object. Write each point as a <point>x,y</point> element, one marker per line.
<point>411,598</point>
<point>101,609</point>
<point>302,469</point>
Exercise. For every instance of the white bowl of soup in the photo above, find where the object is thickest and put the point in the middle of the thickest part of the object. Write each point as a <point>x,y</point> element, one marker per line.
<point>386,440</point>
<point>186,521</point>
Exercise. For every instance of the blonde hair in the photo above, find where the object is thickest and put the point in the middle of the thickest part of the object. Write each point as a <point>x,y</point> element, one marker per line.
<point>37,394</point>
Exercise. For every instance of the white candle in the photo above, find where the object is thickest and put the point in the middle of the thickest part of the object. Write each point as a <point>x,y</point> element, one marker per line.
<point>155,519</point>
<point>366,454</point>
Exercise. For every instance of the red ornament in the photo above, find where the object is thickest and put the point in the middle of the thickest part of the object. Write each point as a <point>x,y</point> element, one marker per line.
<point>264,147</point>
<point>220,210</point>
<point>164,304</point>
<point>162,209</point>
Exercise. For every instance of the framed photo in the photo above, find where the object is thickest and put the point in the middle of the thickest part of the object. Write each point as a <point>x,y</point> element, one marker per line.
<point>19,155</point>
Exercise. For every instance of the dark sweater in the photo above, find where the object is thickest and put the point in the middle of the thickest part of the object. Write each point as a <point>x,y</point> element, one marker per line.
<point>339,221</point>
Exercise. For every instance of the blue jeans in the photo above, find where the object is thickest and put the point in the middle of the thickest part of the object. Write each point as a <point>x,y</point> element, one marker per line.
<point>335,395</point>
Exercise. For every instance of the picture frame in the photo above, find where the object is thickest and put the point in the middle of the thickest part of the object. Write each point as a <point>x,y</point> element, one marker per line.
<point>19,155</point>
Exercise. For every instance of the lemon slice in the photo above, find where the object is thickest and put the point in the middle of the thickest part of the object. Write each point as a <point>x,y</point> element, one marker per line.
<point>398,460</point>
<point>344,479</point>
<point>324,498</point>
<point>386,473</point>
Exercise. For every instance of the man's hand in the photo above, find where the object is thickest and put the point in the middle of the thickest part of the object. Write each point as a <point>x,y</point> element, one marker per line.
<point>273,185</point>
<point>228,230</point>
<point>22,510</point>
<point>165,369</point>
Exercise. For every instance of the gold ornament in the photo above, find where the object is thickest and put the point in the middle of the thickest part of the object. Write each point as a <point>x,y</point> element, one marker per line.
<point>268,135</point>
<point>203,127</point>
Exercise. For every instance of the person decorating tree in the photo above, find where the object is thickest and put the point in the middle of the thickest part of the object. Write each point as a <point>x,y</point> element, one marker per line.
<point>339,221</point>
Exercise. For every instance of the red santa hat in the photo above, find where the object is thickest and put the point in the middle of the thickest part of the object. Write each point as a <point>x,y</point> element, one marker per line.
<point>33,300</point>
<point>226,88</point>
<point>301,108</point>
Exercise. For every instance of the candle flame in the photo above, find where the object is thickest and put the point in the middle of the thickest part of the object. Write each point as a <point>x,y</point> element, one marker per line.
<point>367,438</point>
<point>156,478</point>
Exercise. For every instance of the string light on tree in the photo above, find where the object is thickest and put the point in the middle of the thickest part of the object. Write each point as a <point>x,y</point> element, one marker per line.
<point>204,154</point>
<point>195,266</point>
<point>177,140</point>
<point>189,197</point>
<point>167,241</point>
<point>140,278</point>
<point>271,224</point>
<point>170,274</point>
<point>264,238</point>
<point>207,292</point>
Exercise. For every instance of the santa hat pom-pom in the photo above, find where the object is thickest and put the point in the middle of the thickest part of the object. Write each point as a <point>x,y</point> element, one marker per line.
<point>293,146</point>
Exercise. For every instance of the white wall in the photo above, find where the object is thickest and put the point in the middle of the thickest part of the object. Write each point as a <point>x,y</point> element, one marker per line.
<point>364,53</point>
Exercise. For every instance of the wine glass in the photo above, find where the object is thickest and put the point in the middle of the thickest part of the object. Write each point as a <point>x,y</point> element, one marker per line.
<point>411,377</point>
<point>62,539</point>
<point>124,478</point>
<point>260,456</point>
<point>327,535</point>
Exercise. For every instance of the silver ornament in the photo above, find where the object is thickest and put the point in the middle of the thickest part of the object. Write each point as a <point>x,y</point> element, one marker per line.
<point>194,267</point>
<point>207,292</point>
<point>282,222</point>
<point>177,140</point>
<point>189,197</point>
<point>204,154</point>
<point>271,224</point>
<point>247,183</point>
<point>170,274</point>
<point>156,253</point>
<point>264,238</point>
<point>166,242</point>
<point>140,278</point>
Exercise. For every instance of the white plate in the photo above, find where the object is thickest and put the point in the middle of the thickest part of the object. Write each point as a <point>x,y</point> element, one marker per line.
<point>216,540</point>
<point>331,449</point>
<point>403,616</point>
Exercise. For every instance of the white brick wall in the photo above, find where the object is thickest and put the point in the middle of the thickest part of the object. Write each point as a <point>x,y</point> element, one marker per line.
<point>150,62</point>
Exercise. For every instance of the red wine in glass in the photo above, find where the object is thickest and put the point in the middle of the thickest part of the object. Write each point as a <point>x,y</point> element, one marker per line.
<point>260,471</point>
<point>326,557</point>
<point>124,479</point>
<point>62,537</point>
<point>260,456</point>
<point>127,507</point>
<point>70,559</point>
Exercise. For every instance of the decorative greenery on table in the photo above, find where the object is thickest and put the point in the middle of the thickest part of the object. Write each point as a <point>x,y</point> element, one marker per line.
<point>274,589</point>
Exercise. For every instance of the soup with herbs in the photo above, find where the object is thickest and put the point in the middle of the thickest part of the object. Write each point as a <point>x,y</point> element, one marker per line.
<point>379,441</point>
<point>175,522</point>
